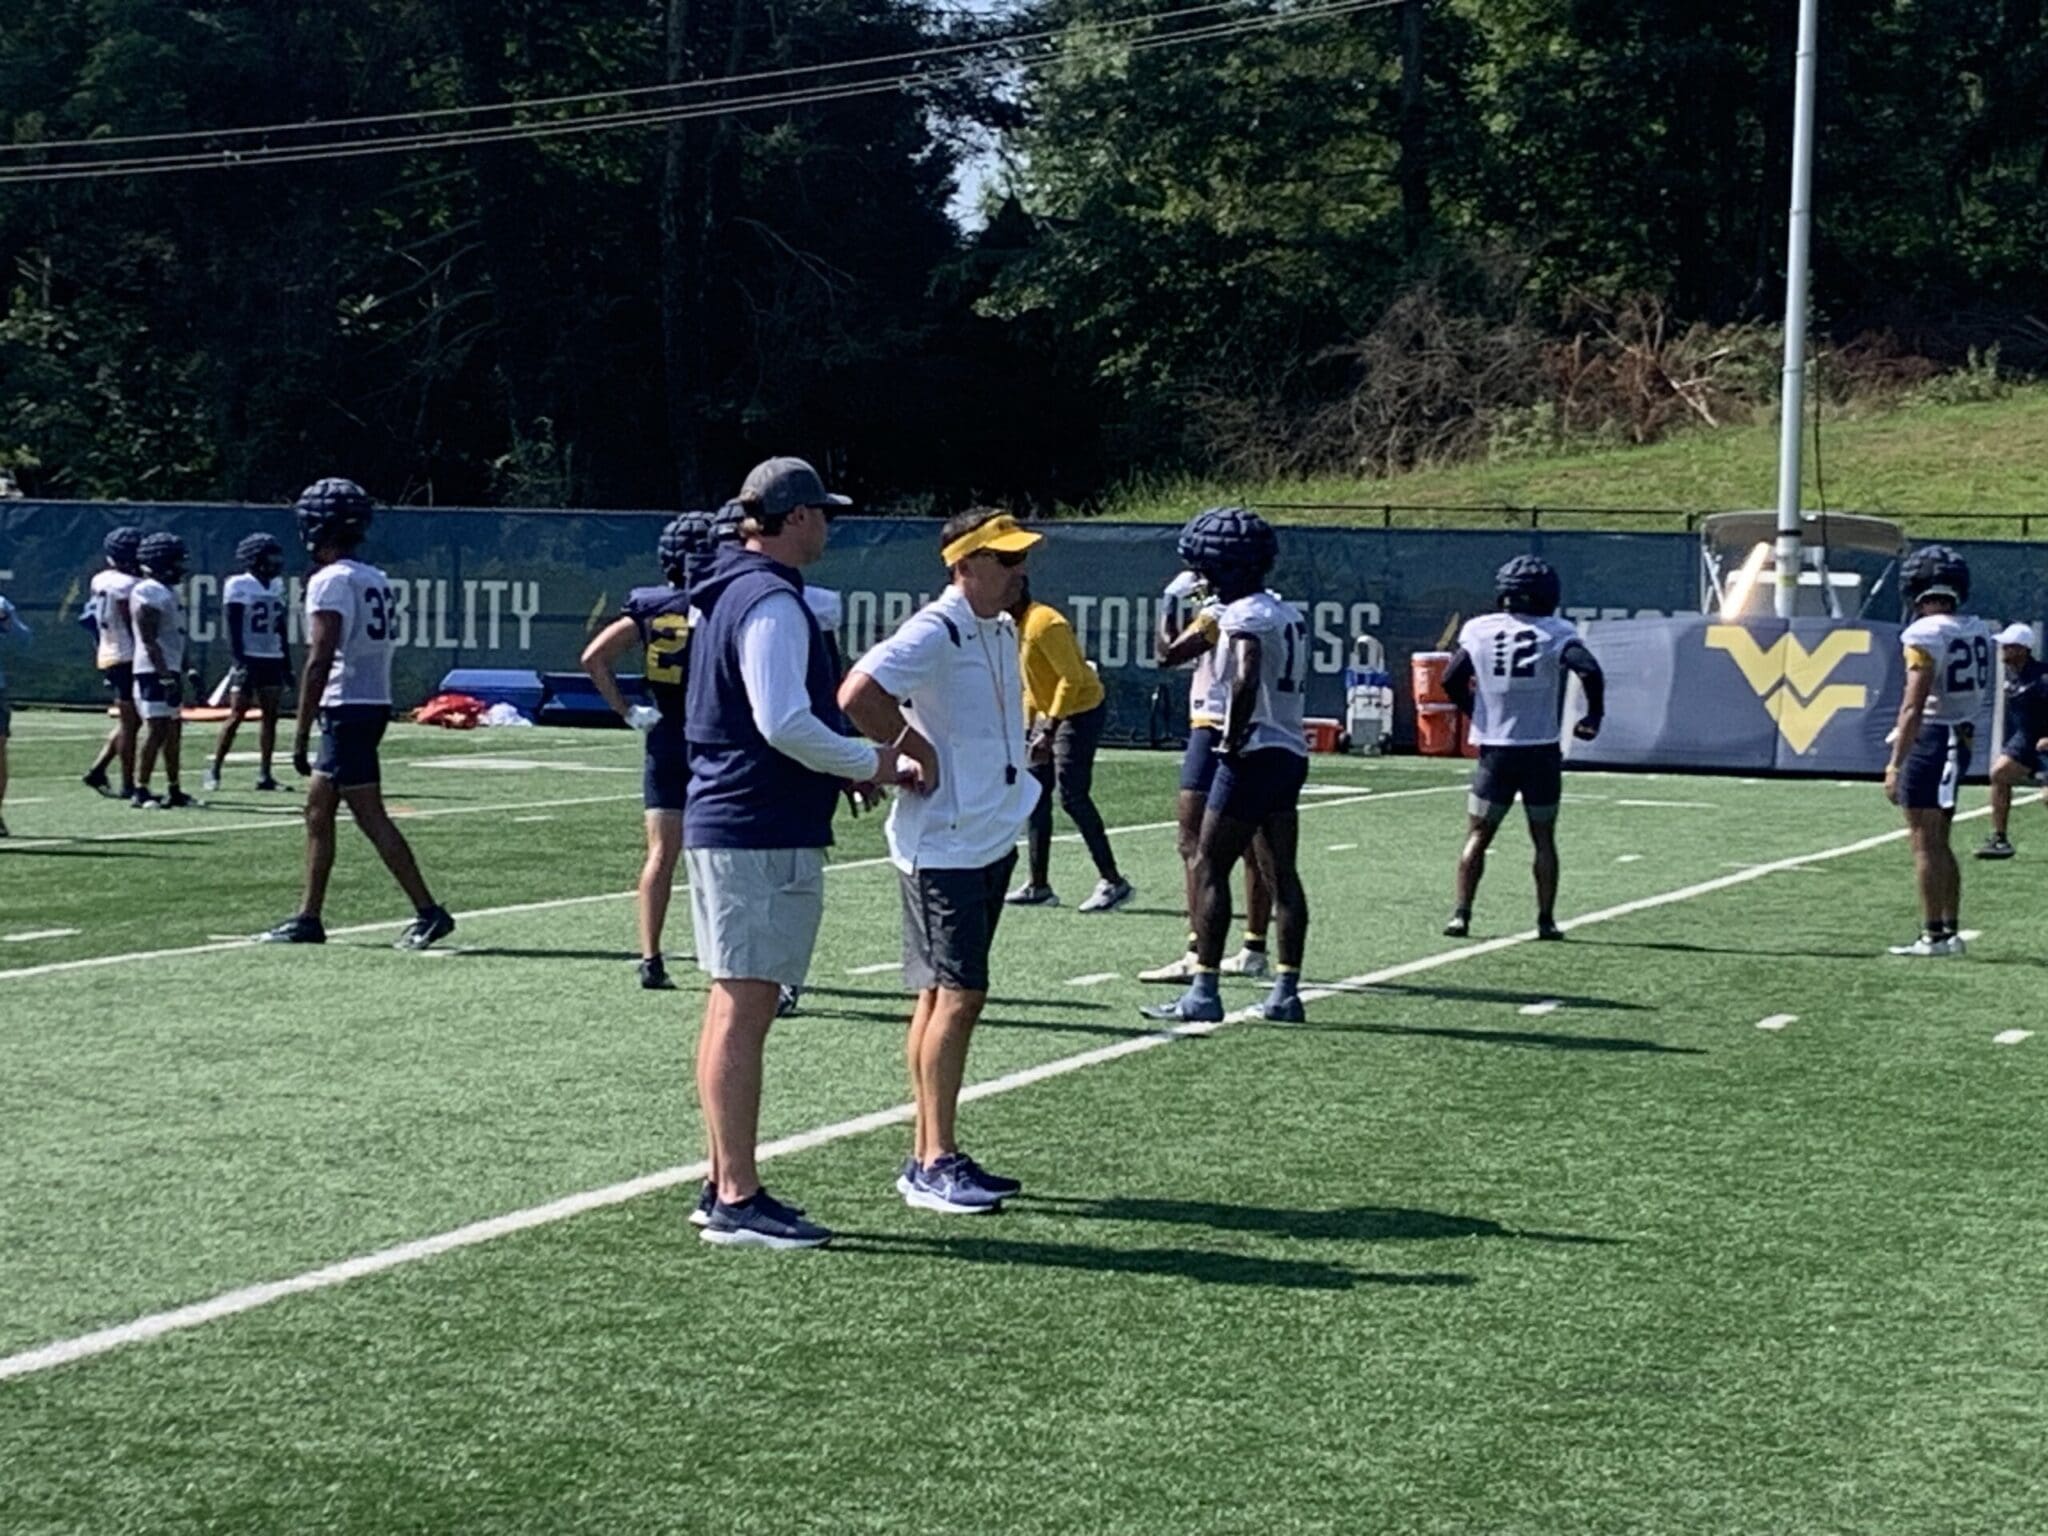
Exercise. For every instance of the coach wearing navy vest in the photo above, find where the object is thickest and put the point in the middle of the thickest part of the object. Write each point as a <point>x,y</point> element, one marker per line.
<point>767,765</point>
<point>947,689</point>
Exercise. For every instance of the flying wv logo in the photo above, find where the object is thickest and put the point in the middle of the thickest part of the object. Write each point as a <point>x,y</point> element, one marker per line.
<point>1807,701</point>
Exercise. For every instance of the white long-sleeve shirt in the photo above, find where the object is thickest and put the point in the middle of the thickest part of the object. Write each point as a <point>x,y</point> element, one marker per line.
<point>775,646</point>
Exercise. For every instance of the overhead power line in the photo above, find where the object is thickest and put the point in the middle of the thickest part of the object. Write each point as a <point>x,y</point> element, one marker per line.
<point>1051,43</point>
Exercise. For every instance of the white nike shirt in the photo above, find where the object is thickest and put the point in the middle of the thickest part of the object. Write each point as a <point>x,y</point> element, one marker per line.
<point>1518,678</point>
<point>111,590</point>
<point>1962,652</point>
<point>362,595</point>
<point>170,631</point>
<point>262,613</point>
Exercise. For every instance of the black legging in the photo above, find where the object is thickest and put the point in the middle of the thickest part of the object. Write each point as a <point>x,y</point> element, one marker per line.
<point>1072,773</point>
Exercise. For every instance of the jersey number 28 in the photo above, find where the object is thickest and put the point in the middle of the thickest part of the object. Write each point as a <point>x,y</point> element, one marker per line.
<point>1969,664</point>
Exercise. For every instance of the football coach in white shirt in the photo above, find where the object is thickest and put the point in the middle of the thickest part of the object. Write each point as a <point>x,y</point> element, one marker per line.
<point>946,690</point>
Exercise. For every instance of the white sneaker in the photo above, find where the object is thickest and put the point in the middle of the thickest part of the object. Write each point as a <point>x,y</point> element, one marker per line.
<point>210,782</point>
<point>1108,895</point>
<point>1926,947</point>
<point>1181,970</point>
<point>1954,945</point>
<point>1251,963</point>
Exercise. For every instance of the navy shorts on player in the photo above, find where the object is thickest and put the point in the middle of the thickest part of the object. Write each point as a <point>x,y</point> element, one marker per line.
<point>665,776</point>
<point>257,674</point>
<point>120,679</point>
<point>159,695</point>
<point>349,737</point>
<point>1256,786</point>
<point>2023,750</point>
<point>1502,774</point>
<point>1198,761</point>
<point>1941,756</point>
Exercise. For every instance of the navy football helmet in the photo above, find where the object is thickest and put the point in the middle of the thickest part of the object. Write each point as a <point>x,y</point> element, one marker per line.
<point>1935,570</point>
<point>728,524</point>
<point>121,548</point>
<point>163,556</point>
<point>333,511</point>
<point>1528,584</point>
<point>683,544</point>
<point>1231,548</point>
<point>261,556</point>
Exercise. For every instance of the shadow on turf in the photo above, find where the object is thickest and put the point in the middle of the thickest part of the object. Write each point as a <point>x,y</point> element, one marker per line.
<point>901,1015</point>
<point>1534,1039</point>
<point>1481,995</point>
<point>78,853</point>
<point>1680,947</point>
<point>1199,1264</point>
<point>1350,1223</point>
<point>996,1000</point>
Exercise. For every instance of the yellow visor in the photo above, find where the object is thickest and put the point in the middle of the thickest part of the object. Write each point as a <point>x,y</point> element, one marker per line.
<point>1000,534</point>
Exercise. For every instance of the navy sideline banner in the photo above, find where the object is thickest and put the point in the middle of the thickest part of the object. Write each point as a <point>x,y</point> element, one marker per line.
<point>525,589</point>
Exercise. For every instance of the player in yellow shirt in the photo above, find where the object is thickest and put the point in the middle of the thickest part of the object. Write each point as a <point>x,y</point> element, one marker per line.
<point>1064,712</point>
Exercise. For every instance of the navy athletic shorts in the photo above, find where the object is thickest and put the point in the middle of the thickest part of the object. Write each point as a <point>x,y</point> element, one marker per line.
<point>258,673</point>
<point>159,695</point>
<point>1198,760</point>
<point>2024,750</point>
<point>1941,756</point>
<point>349,737</point>
<point>1534,774</point>
<point>120,679</point>
<point>1256,786</point>
<point>665,775</point>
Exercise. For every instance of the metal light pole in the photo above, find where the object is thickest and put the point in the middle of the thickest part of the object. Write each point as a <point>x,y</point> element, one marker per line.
<point>1798,239</point>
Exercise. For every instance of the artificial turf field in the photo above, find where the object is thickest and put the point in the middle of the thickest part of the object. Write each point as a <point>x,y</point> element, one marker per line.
<point>1509,1238</point>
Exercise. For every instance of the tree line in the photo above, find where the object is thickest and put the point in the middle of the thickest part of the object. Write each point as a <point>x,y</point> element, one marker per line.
<point>1340,240</point>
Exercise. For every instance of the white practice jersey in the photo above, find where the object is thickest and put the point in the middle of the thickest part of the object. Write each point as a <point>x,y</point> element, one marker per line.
<point>170,625</point>
<point>110,592</point>
<point>364,598</point>
<point>262,613</point>
<point>1962,652</point>
<point>1282,694</point>
<point>1206,701</point>
<point>1518,678</point>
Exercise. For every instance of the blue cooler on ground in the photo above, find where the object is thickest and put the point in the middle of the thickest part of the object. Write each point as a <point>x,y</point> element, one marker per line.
<point>497,685</point>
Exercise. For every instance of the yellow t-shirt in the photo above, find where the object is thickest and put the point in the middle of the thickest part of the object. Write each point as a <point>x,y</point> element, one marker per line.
<point>1058,682</point>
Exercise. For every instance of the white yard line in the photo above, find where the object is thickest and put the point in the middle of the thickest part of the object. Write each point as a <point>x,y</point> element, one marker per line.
<point>1341,848</point>
<point>880,967</point>
<point>1092,979</point>
<point>533,818</point>
<point>2011,1036</point>
<point>1538,1010</point>
<point>96,962</point>
<point>1628,858</point>
<point>40,933</point>
<point>1777,1021</point>
<point>232,1303</point>
<point>1676,805</point>
<point>1969,935</point>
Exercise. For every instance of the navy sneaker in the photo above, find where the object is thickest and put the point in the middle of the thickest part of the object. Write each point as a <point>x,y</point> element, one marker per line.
<point>707,1197</point>
<point>1458,926</point>
<point>948,1185</point>
<point>1278,1009</point>
<point>762,1221</point>
<point>787,999</point>
<point>1548,930</point>
<point>654,975</point>
<point>1188,1008</point>
<point>296,930</point>
<point>429,926</point>
<point>97,783</point>
<point>995,1181</point>
<point>268,784</point>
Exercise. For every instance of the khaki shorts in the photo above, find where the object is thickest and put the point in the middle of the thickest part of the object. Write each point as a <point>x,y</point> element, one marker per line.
<point>756,911</point>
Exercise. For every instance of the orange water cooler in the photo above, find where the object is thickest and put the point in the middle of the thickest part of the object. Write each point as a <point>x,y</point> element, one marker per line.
<point>1439,729</point>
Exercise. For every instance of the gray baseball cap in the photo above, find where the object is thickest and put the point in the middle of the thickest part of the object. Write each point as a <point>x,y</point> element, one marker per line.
<point>783,485</point>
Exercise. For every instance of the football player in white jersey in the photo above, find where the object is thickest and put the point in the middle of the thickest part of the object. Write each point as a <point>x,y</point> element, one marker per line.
<point>1178,646</point>
<point>106,614</point>
<point>346,684</point>
<point>1255,796</point>
<point>1951,668</point>
<point>158,621</point>
<point>252,612</point>
<point>1509,676</point>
